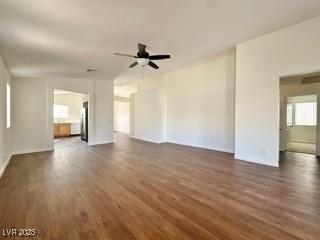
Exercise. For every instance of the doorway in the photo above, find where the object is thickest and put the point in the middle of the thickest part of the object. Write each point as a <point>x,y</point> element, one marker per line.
<point>302,124</point>
<point>299,113</point>
<point>122,116</point>
<point>70,118</point>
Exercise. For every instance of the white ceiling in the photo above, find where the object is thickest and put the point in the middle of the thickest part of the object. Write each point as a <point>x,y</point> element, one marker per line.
<point>61,38</point>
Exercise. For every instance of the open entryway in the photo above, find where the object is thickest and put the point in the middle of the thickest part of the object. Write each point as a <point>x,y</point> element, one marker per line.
<point>121,115</point>
<point>70,113</point>
<point>299,113</point>
<point>301,124</point>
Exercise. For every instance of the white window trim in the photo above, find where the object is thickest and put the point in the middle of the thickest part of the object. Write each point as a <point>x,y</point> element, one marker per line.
<point>292,115</point>
<point>314,116</point>
<point>61,106</point>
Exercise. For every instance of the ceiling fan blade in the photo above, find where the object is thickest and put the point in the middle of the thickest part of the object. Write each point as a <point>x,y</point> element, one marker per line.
<point>159,57</point>
<point>152,64</point>
<point>133,64</point>
<point>125,55</point>
<point>141,47</point>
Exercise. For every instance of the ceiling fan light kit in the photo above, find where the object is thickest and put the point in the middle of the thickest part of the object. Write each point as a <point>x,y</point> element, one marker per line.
<point>143,61</point>
<point>143,58</point>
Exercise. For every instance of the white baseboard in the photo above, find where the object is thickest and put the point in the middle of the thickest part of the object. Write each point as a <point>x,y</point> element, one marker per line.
<point>203,147</point>
<point>188,145</point>
<point>147,140</point>
<point>32,151</point>
<point>99,143</point>
<point>5,165</point>
<point>258,161</point>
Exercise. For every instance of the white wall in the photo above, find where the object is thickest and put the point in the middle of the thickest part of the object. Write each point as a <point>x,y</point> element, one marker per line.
<point>33,111</point>
<point>30,115</point>
<point>192,106</point>
<point>304,134</point>
<point>121,99</point>
<point>74,102</point>
<point>5,133</point>
<point>122,116</point>
<point>200,104</point>
<point>103,111</point>
<point>260,64</point>
<point>148,121</point>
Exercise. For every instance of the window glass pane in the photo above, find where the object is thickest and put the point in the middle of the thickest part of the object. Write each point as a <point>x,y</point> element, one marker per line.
<point>306,113</point>
<point>60,111</point>
<point>8,105</point>
<point>289,115</point>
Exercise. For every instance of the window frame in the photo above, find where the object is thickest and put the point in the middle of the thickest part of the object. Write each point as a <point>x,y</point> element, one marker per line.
<point>291,123</point>
<point>297,119</point>
<point>55,111</point>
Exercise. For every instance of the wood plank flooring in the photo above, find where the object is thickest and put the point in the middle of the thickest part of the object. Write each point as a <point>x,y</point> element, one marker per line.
<point>138,190</point>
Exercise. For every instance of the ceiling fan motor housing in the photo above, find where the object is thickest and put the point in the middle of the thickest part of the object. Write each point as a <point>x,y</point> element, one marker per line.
<point>143,54</point>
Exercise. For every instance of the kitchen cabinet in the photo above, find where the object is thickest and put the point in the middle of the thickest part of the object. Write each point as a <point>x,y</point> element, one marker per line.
<point>62,130</point>
<point>56,130</point>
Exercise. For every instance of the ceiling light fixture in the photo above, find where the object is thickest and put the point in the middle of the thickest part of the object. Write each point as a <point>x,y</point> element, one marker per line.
<point>143,61</point>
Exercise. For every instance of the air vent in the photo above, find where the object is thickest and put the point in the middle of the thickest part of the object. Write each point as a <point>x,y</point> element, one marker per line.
<point>91,70</point>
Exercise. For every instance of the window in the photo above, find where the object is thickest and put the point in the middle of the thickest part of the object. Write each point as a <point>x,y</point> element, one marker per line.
<point>8,106</point>
<point>306,114</point>
<point>60,111</point>
<point>289,115</point>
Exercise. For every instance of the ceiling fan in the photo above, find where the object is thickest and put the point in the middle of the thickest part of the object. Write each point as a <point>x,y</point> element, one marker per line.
<point>143,58</point>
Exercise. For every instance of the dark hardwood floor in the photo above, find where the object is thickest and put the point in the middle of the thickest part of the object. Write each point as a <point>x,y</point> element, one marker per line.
<point>138,190</point>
